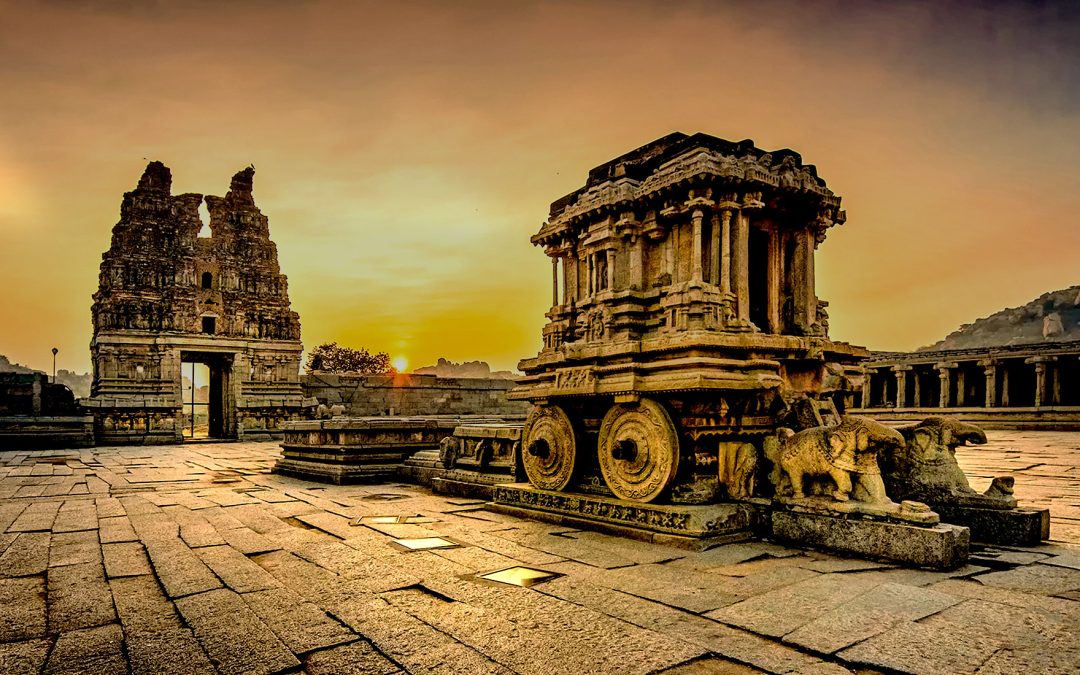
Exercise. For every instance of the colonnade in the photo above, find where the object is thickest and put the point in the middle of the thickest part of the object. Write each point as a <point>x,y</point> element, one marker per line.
<point>1016,381</point>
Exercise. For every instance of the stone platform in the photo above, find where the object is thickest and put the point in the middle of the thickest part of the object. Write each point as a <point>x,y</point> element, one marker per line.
<point>354,449</point>
<point>693,527</point>
<point>196,559</point>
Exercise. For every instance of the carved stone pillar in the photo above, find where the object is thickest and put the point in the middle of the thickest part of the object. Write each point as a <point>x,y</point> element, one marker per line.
<point>901,385</point>
<point>610,269</point>
<point>1041,371</point>
<point>916,393</point>
<point>775,281</point>
<point>945,377</point>
<point>714,250</point>
<point>637,264</point>
<point>803,280</point>
<point>725,243</point>
<point>990,372</point>
<point>669,254</point>
<point>961,385</point>
<point>866,389</point>
<point>554,281</point>
<point>697,248</point>
<point>741,260</point>
<point>1040,383</point>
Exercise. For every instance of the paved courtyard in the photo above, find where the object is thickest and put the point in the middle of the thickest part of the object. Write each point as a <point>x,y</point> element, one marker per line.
<point>195,559</point>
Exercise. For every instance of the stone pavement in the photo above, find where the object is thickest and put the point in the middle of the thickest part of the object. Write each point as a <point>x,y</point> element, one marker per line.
<point>194,559</point>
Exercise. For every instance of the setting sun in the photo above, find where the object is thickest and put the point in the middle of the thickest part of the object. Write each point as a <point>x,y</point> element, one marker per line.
<point>400,364</point>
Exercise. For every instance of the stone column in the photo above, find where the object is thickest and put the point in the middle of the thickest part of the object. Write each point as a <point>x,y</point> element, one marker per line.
<point>610,269</point>
<point>775,281</point>
<point>866,403</point>
<point>803,280</point>
<point>669,253</point>
<point>1040,363</point>
<point>945,376</point>
<point>637,263</point>
<point>1040,383</point>
<point>725,260</point>
<point>554,281</point>
<point>741,260</point>
<point>714,250</point>
<point>901,385</point>
<point>990,372</point>
<point>696,261</point>
<point>916,393</point>
<point>961,384</point>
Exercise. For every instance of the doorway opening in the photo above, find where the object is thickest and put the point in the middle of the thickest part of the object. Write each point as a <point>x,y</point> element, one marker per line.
<point>758,259</point>
<point>206,407</point>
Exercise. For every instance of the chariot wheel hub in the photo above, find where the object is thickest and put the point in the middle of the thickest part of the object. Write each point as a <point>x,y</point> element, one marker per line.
<point>638,450</point>
<point>550,448</point>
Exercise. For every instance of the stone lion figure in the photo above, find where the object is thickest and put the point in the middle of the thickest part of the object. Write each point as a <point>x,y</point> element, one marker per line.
<point>925,469</point>
<point>843,456</point>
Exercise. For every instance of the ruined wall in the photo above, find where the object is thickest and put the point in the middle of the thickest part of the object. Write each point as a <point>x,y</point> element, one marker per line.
<point>364,395</point>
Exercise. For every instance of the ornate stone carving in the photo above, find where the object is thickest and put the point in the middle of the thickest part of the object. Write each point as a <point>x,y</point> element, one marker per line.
<point>845,455</point>
<point>549,448</point>
<point>638,450</point>
<point>925,467</point>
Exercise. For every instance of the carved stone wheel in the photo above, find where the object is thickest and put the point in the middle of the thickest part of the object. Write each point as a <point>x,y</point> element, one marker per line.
<point>638,450</point>
<point>548,448</point>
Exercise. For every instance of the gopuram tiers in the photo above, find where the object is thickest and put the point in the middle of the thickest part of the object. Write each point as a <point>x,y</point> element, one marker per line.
<point>683,284</point>
<point>169,298</point>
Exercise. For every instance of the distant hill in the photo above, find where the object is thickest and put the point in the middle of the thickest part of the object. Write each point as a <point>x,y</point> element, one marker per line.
<point>481,369</point>
<point>79,383</point>
<point>6,366</point>
<point>1052,317</point>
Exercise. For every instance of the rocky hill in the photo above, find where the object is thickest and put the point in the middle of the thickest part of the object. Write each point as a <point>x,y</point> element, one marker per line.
<point>467,369</point>
<point>1052,317</point>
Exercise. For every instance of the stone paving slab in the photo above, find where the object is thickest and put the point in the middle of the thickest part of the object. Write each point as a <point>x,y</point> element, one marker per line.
<point>194,559</point>
<point>235,639</point>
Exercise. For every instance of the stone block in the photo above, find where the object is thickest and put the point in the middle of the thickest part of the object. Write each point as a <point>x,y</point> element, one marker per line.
<point>22,609</point>
<point>232,635</point>
<point>941,546</point>
<point>98,650</point>
<point>1004,527</point>
<point>79,597</point>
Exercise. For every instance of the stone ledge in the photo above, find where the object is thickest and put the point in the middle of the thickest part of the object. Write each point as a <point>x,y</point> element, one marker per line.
<point>681,525</point>
<point>1005,527</point>
<point>940,547</point>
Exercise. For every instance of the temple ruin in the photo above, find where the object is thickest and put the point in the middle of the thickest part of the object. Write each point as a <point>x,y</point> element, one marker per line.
<point>170,301</point>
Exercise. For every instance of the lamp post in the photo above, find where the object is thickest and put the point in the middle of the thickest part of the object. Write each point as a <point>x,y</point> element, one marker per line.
<point>54,352</point>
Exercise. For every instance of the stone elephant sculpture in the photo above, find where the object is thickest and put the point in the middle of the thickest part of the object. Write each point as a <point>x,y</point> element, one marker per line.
<point>925,468</point>
<point>845,453</point>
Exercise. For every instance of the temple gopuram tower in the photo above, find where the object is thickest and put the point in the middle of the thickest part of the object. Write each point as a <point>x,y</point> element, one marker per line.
<point>170,301</point>
<point>684,326</point>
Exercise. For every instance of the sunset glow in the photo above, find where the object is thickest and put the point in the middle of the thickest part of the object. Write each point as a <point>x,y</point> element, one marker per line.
<point>400,364</point>
<point>406,152</point>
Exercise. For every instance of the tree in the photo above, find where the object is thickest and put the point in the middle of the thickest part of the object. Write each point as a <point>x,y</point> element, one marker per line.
<point>332,358</point>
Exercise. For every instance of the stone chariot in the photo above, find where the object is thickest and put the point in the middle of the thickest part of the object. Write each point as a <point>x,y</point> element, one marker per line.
<point>684,327</point>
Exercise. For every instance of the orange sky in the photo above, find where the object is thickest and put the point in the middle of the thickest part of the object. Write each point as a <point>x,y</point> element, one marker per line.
<point>406,152</point>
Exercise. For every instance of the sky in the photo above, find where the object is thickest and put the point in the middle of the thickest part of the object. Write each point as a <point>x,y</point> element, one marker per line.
<point>406,151</point>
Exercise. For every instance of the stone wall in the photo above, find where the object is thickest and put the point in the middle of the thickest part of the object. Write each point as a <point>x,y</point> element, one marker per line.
<point>367,395</point>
